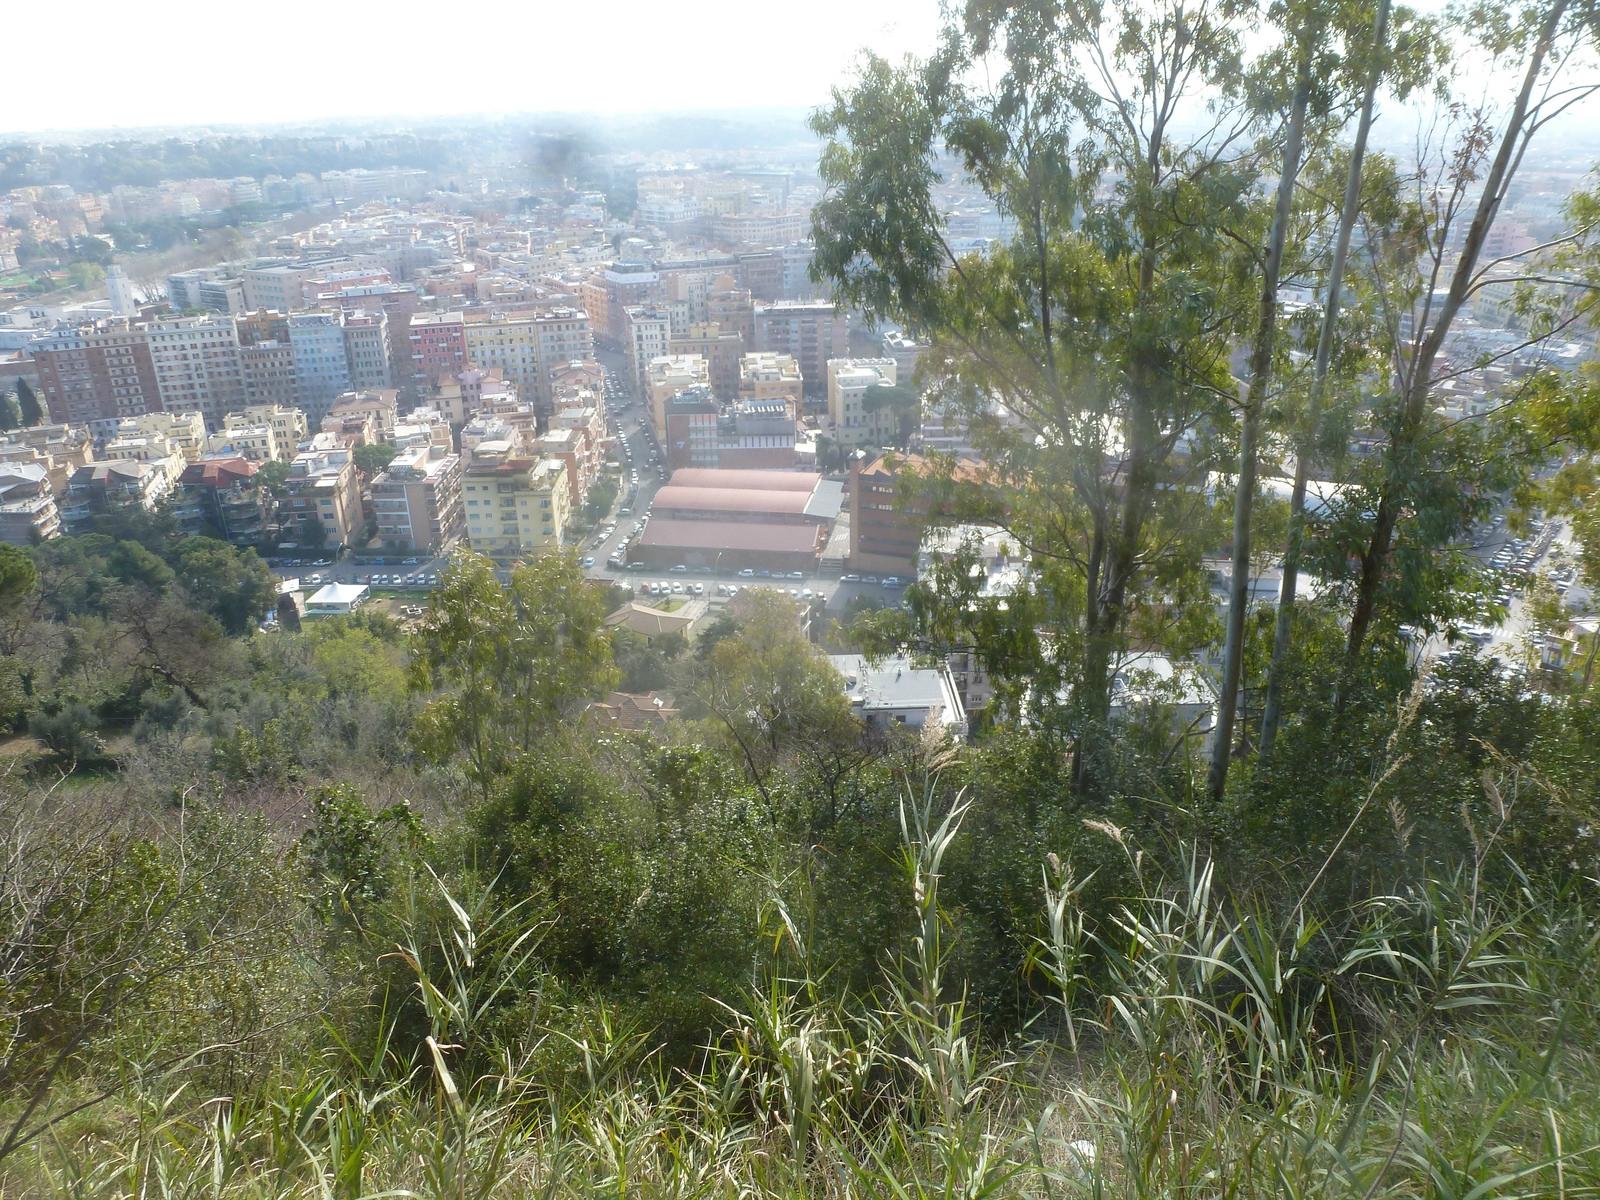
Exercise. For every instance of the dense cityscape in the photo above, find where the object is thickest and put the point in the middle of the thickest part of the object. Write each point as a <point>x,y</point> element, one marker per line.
<point>1027,629</point>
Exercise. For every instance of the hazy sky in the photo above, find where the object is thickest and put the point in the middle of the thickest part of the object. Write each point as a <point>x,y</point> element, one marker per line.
<point>177,62</point>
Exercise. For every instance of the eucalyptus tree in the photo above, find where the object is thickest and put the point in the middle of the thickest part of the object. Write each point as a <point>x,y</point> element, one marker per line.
<point>1548,45</point>
<point>1090,351</point>
<point>1331,58</point>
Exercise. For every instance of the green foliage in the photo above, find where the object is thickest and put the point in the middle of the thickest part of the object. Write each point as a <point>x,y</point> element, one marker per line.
<point>28,405</point>
<point>373,457</point>
<point>504,664</point>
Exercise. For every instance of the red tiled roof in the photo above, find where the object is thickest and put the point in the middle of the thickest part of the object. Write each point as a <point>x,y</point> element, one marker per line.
<point>729,500</point>
<point>218,472</point>
<point>729,535</point>
<point>748,479</point>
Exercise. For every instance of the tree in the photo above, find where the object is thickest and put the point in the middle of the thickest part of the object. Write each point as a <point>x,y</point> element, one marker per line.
<point>1332,300</point>
<point>8,413</point>
<point>32,414</point>
<point>273,475</point>
<point>1542,37</point>
<point>505,664</point>
<point>1104,326</point>
<point>771,690</point>
<point>233,585</point>
<point>288,613</point>
<point>373,457</point>
<point>18,578</point>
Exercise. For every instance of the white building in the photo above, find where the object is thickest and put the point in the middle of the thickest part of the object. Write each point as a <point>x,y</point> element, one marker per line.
<point>896,695</point>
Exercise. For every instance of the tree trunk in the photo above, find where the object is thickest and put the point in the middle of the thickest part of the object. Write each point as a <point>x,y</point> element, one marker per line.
<point>1400,460</point>
<point>1348,215</point>
<point>1249,429</point>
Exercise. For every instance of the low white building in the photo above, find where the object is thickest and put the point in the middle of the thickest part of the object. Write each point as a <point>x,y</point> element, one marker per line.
<point>893,694</point>
<point>336,600</point>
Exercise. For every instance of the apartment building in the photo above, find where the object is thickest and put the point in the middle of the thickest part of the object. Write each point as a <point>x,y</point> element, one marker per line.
<point>360,418</point>
<point>417,501</point>
<point>768,375</point>
<point>721,348</point>
<point>366,348</point>
<point>620,286</point>
<point>853,420</point>
<point>321,487</point>
<point>58,450</point>
<point>322,372</point>
<point>733,308</point>
<point>28,511</point>
<point>665,377</point>
<point>809,331</point>
<point>422,427</point>
<point>515,505</point>
<point>222,497</point>
<point>759,229</point>
<point>97,374</point>
<point>197,366</point>
<point>438,347</point>
<point>105,487</point>
<point>282,286</point>
<point>647,330</point>
<point>183,434</point>
<point>703,431</point>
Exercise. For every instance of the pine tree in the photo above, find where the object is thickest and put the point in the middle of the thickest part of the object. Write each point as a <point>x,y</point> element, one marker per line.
<point>8,413</point>
<point>32,414</point>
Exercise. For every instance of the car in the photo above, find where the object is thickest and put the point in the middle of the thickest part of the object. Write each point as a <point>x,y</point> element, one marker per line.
<point>636,566</point>
<point>699,589</point>
<point>624,512</point>
<point>747,573</point>
<point>892,581</point>
<point>869,579</point>
<point>850,578</point>
<point>806,594</point>
<point>588,560</point>
<point>722,589</point>
<point>733,590</point>
<point>763,573</point>
<point>677,588</point>
<point>680,569</point>
<point>794,593</point>
<point>433,580</point>
<point>797,574</point>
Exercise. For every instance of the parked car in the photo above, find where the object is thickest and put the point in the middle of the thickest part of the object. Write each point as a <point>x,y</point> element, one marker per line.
<point>797,574</point>
<point>747,573</point>
<point>588,560</point>
<point>699,589</point>
<point>850,578</point>
<point>680,569</point>
<point>677,589</point>
<point>892,581</point>
<point>869,579</point>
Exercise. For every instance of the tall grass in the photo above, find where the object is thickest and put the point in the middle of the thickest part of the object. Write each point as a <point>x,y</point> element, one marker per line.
<point>1439,1042</point>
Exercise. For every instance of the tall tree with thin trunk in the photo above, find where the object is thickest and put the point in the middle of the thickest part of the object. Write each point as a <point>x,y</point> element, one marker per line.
<point>1261,375</point>
<point>1551,32</point>
<point>1332,298</point>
